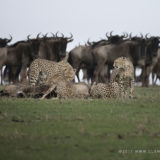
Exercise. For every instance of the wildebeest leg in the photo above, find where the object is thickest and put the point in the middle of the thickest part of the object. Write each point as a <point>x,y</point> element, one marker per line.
<point>109,73</point>
<point>48,91</point>
<point>143,76</point>
<point>7,75</point>
<point>148,71</point>
<point>153,75</point>
<point>77,74</point>
<point>14,71</point>
<point>155,80</point>
<point>1,70</point>
<point>23,74</point>
<point>98,69</point>
<point>140,77</point>
<point>103,74</point>
<point>1,76</point>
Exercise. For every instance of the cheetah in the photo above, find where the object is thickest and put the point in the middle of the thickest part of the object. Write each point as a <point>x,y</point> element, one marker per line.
<point>102,90</point>
<point>123,73</point>
<point>49,73</point>
<point>66,89</point>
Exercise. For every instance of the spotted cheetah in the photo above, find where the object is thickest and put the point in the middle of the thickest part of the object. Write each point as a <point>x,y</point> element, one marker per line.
<point>102,90</point>
<point>123,73</point>
<point>50,72</point>
<point>66,89</point>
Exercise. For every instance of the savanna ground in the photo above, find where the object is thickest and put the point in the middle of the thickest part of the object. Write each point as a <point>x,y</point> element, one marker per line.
<point>33,129</point>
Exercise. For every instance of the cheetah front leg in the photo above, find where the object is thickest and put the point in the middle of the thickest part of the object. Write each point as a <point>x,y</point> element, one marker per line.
<point>132,88</point>
<point>48,91</point>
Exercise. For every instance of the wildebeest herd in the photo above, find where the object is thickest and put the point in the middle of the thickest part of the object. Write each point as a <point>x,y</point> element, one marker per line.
<point>96,59</point>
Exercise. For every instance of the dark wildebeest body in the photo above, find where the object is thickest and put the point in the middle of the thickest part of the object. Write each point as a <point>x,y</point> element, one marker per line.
<point>156,69</point>
<point>81,58</point>
<point>54,48</point>
<point>21,54</point>
<point>3,50</point>
<point>151,59</point>
<point>17,56</point>
<point>106,54</point>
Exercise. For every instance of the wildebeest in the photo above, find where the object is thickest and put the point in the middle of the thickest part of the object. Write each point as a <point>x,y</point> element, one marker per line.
<point>106,54</point>
<point>54,48</point>
<point>81,58</point>
<point>151,59</point>
<point>15,57</point>
<point>156,69</point>
<point>19,56</point>
<point>3,44</point>
<point>139,50</point>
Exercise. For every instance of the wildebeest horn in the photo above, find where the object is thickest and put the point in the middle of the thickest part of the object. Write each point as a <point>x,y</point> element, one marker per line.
<point>111,33</point>
<point>45,35</point>
<point>28,37</point>
<point>130,35</point>
<point>70,36</point>
<point>62,35</point>
<point>141,35</point>
<point>125,35</point>
<point>146,35</point>
<point>57,33</point>
<point>52,34</point>
<point>88,42</point>
<point>107,35</point>
<point>38,35</point>
<point>9,40</point>
<point>69,39</point>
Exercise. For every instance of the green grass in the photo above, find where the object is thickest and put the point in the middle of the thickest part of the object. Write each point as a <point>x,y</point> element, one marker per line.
<point>32,129</point>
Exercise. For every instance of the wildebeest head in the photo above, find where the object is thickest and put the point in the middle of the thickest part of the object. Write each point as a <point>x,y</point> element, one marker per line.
<point>35,43</point>
<point>3,42</point>
<point>142,43</point>
<point>152,46</point>
<point>116,38</point>
<point>54,47</point>
<point>61,45</point>
<point>102,42</point>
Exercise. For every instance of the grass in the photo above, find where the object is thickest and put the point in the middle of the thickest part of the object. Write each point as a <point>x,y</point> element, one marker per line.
<point>81,129</point>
